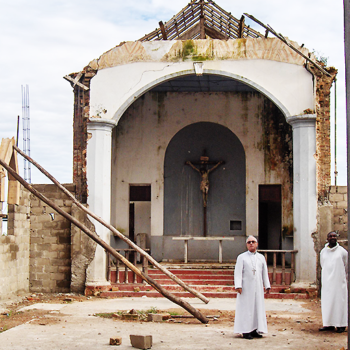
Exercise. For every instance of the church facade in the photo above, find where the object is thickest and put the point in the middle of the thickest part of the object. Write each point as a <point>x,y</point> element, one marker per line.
<point>204,128</point>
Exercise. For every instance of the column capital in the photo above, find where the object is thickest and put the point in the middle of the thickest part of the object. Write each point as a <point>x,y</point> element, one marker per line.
<point>302,120</point>
<point>101,124</point>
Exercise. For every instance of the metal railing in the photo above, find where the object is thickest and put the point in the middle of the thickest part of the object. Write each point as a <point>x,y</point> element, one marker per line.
<point>117,266</point>
<point>283,263</point>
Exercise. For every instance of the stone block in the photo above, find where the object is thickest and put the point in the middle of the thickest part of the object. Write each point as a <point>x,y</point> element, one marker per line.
<point>141,341</point>
<point>115,341</point>
<point>342,189</point>
<point>154,318</point>
<point>336,197</point>
<point>338,212</point>
<point>342,205</point>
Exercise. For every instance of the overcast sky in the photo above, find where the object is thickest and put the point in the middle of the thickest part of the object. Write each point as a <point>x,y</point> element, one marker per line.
<point>43,40</point>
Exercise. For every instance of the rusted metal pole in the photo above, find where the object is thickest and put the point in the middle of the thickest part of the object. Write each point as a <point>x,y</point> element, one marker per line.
<point>115,231</point>
<point>106,246</point>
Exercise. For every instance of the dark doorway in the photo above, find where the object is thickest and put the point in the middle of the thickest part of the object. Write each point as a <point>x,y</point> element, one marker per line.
<point>270,217</point>
<point>139,212</point>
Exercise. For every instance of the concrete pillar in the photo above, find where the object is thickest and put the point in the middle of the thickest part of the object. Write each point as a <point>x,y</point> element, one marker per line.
<point>304,194</point>
<point>99,188</point>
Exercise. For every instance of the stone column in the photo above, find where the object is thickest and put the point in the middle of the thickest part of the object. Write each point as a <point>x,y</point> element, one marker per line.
<point>304,194</point>
<point>99,188</point>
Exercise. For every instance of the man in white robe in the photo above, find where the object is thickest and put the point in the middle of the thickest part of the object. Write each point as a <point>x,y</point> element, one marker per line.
<point>334,290</point>
<point>251,276</point>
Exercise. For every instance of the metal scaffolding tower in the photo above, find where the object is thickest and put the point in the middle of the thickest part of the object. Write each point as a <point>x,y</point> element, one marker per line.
<point>26,131</point>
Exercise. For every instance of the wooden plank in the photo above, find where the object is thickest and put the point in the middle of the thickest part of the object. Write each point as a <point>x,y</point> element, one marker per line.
<point>115,231</point>
<point>241,27</point>
<point>6,149</point>
<point>192,17</point>
<point>107,247</point>
<point>281,37</point>
<point>14,186</point>
<point>2,185</point>
<point>189,34</point>
<point>215,34</point>
<point>75,82</point>
<point>161,25</point>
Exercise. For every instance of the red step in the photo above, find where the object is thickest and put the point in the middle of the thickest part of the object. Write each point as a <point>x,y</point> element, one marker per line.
<point>212,283</point>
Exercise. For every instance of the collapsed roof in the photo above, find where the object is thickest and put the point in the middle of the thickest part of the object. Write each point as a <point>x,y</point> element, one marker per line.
<point>201,19</point>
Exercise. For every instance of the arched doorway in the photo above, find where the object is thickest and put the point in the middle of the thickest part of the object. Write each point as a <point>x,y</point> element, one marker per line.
<point>183,203</point>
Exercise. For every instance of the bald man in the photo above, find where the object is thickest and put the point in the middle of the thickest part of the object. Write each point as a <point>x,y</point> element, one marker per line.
<point>251,276</point>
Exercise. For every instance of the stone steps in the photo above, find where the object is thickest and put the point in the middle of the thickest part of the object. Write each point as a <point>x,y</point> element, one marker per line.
<point>212,283</point>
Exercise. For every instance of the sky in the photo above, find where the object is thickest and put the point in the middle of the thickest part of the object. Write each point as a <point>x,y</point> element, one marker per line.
<point>43,40</point>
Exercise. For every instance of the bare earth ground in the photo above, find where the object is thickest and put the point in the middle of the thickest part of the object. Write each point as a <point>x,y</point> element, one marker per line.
<point>67,321</point>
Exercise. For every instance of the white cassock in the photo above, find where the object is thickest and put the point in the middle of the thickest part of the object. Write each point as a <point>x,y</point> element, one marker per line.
<point>250,308</point>
<point>334,291</point>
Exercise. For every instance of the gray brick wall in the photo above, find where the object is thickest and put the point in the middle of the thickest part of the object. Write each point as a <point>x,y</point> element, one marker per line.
<point>50,242</point>
<point>14,249</point>
<point>338,198</point>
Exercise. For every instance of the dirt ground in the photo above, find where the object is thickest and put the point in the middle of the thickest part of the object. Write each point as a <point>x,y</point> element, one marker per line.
<point>287,330</point>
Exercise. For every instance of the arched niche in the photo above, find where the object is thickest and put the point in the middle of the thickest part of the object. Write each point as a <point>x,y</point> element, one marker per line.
<point>183,203</point>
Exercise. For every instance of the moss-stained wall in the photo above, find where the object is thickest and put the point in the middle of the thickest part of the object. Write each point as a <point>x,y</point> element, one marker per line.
<point>142,136</point>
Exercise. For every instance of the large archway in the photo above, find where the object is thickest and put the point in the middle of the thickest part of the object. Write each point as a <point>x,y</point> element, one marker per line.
<point>184,213</point>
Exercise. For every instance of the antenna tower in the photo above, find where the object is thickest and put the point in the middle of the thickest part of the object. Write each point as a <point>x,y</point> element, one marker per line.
<point>26,131</point>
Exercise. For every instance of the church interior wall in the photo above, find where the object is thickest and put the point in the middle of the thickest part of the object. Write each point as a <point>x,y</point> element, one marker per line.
<point>141,138</point>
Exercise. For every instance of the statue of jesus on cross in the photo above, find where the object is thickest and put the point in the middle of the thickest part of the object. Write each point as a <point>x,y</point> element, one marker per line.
<point>204,173</point>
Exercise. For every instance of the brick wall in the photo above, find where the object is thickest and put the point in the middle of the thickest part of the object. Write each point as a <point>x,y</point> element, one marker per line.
<point>323,129</point>
<point>14,249</point>
<point>50,242</point>
<point>338,198</point>
<point>80,136</point>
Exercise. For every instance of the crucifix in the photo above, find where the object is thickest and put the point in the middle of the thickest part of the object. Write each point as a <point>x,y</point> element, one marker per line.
<point>204,185</point>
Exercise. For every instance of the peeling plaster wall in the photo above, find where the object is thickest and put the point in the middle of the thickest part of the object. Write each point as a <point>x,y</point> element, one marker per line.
<point>142,135</point>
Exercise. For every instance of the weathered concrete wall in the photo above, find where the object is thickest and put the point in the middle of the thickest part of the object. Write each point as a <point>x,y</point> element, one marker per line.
<point>50,243</point>
<point>14,249</point>
<point>82,251</point>
<point>141,138</point>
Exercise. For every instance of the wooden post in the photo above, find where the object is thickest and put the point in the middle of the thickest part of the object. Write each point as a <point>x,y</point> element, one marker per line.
<point>274,268</point>
<point>241,27</point>
<point>220,251</point>
<point>127,256</point>
<point>116,232</point>
<point>204,221</point>
<point>117,280</point>
<point>106,246</point>
<point>283,268</point>
<point>162,29</point>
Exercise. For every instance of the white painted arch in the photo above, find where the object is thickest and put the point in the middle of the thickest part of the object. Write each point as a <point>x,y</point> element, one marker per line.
<point>289,86</point>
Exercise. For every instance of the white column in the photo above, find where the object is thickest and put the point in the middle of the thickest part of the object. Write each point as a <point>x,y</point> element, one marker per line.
<point>99,189</point>
<point>304,194</point>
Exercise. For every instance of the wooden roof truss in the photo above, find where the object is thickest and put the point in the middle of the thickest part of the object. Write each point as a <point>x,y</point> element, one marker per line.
<point>201,19</point>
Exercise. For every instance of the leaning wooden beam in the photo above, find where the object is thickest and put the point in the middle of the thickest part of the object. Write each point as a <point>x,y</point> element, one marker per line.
<point>115,231</point>
<point>281,37</point>
<point>106,246</point>
<point>161,25</point>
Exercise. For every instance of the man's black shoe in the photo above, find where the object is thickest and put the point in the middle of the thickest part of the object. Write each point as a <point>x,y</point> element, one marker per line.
<point>255,334</point>
<point>340,329</point>
<point>328,328</point>
<point>247,336</point>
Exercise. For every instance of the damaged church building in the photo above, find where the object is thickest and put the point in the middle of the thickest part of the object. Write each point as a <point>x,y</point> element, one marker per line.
<point>199,134</point>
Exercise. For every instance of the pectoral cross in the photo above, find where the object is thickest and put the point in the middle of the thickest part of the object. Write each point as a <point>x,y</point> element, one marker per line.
<point>253,271</point>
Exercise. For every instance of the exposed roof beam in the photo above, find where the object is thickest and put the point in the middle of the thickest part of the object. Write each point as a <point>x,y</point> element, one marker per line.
<point>282,38</point>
